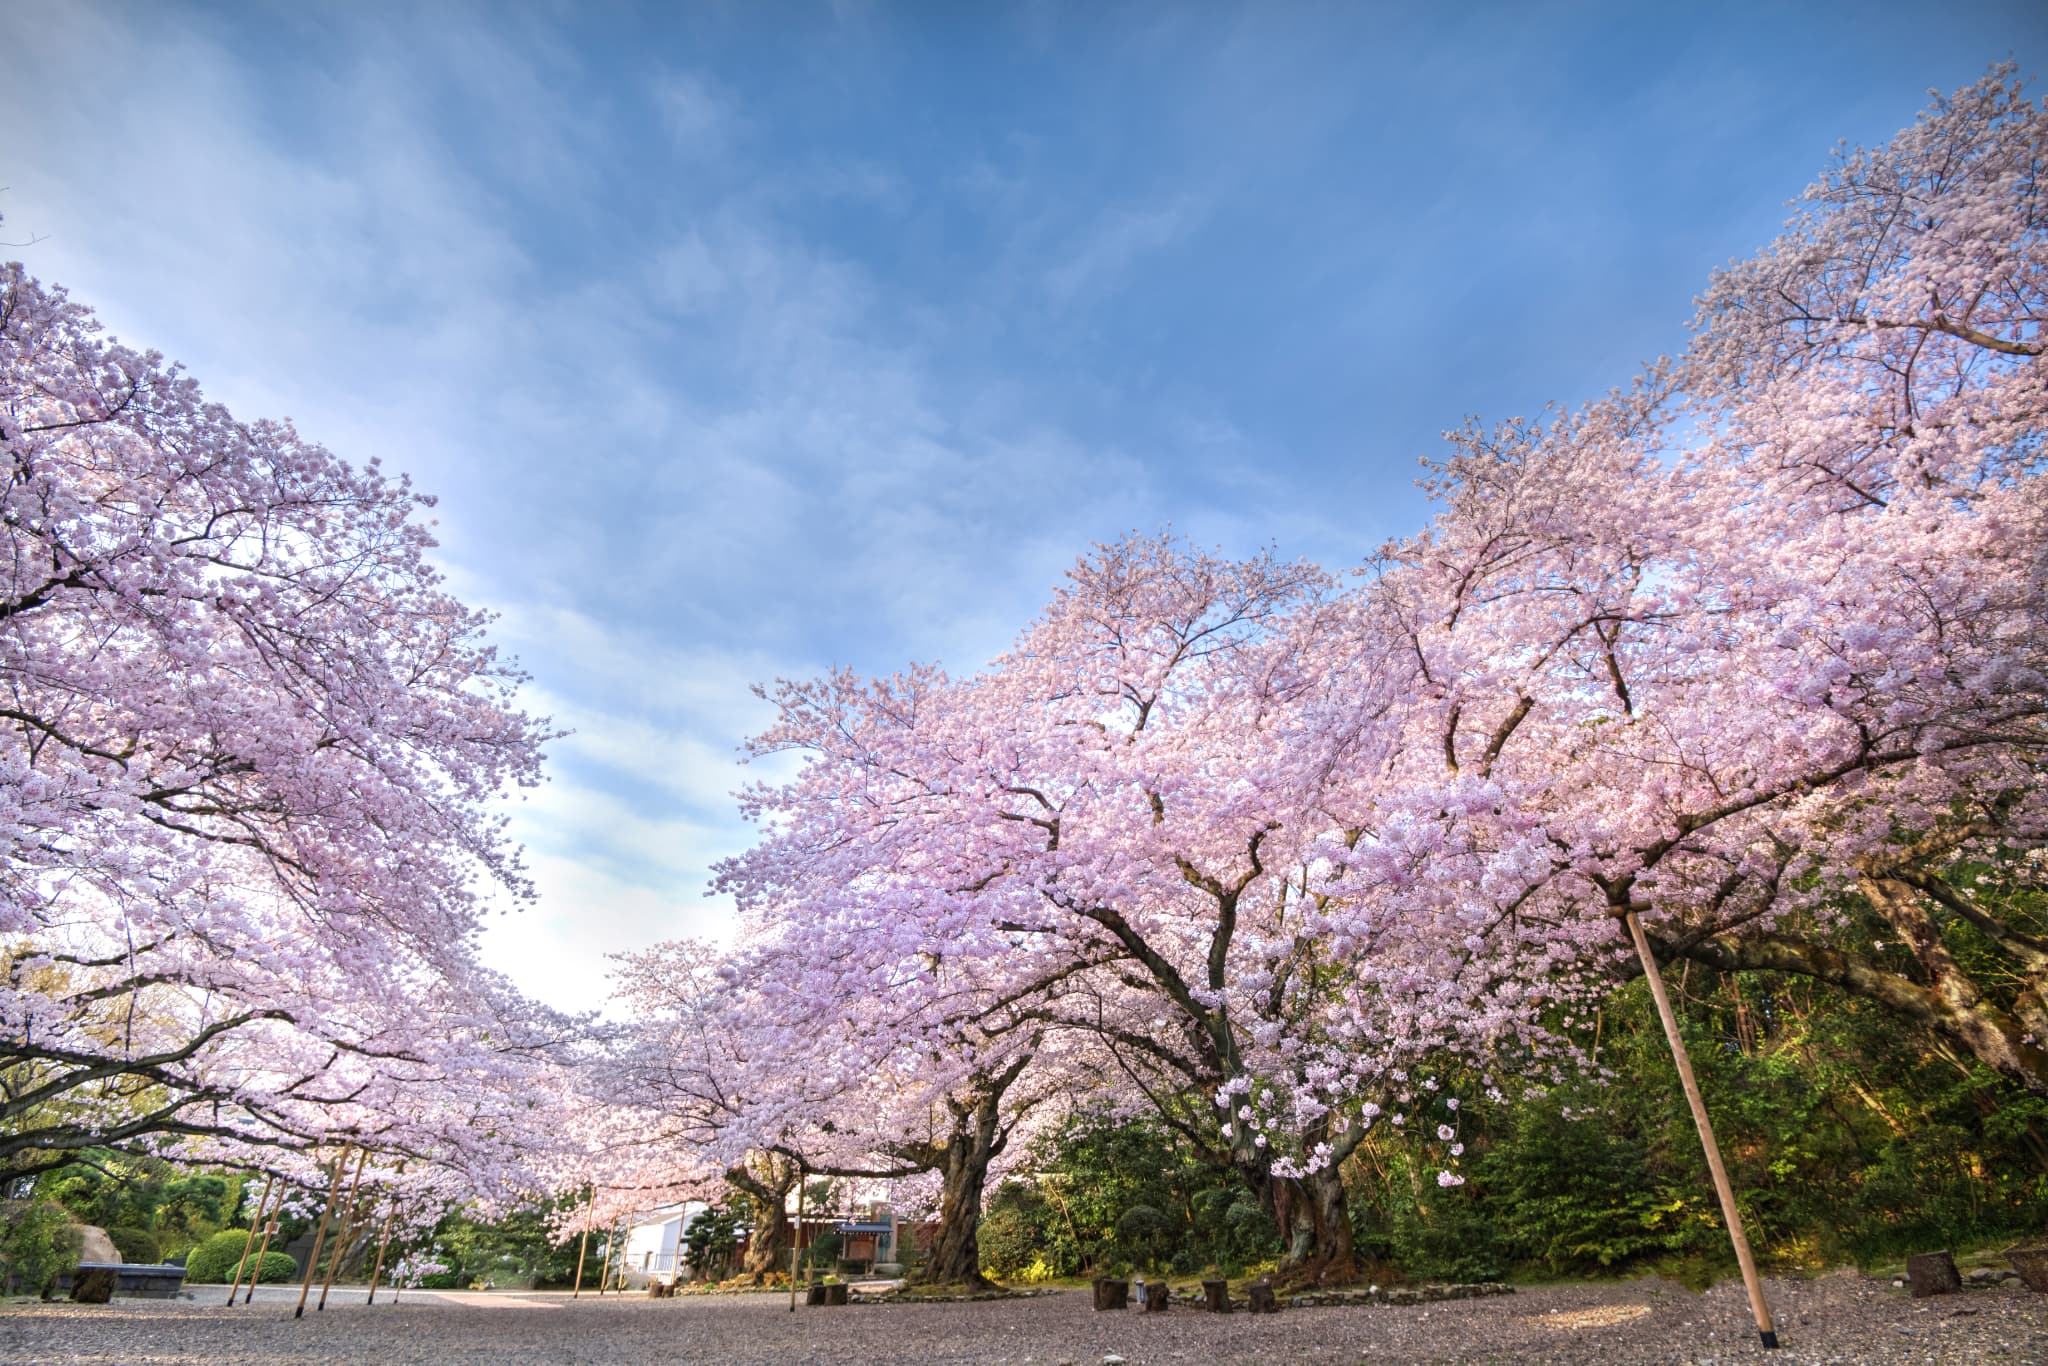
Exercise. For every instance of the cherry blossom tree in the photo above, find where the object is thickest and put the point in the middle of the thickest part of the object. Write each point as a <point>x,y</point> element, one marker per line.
<point>250,748</point>
<point>1133,813</point>
<point>809,1053</point>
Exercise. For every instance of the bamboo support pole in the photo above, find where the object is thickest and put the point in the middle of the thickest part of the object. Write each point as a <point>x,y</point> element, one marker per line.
<point>1722,1187</point>
<point>383,1241</point>
<point>269,1227</point>
<point>589,1218</point>
<point>348,1228</point>
<point>320,1236</point>
<point>796,1237</point>
<point>250,1241</point>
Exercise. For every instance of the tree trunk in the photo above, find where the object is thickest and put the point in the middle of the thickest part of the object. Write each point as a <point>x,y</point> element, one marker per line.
<point>1313,1214</point>
<point>955,1255</point>
<point>766,1182</point>
<point>768,1245</point>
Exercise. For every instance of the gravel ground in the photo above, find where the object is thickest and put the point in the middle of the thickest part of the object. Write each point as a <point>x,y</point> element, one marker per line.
<point>1841,1318</point>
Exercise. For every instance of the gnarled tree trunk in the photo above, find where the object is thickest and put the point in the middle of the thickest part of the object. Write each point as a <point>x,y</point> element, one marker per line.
<point>955,1254</point>
<point>1313,1215</point>
<point>766,1181</point>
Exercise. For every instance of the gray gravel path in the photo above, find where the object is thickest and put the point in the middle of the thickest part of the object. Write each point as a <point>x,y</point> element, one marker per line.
<point>1842,1318</point>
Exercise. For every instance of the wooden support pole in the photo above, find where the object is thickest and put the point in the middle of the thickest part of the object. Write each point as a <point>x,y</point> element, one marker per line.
<point>1722,1187</point>
<point>589,1218</point>
<point>383,1242</point>
<point>796,1237</point>
<point>320,1236</point>
<point>269,1227</point>
<point>348,1228</point>
<point>250,1241</point>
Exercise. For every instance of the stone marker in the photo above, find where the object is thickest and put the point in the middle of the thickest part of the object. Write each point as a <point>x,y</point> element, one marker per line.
<point>93,1284</point>
<point>1217,1294</point>
<point>1932,1273</point>
<point>1111,1294</point>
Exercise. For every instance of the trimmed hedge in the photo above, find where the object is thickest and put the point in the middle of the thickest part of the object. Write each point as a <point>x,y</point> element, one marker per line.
<point>214,1261</point>
<point>136,1244</point>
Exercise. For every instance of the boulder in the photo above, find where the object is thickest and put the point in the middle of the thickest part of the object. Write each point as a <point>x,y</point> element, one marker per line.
<point>2030,1260</point>
<point>1932,1273</point>
<point>93,1284</point>
<point>94,1246</point>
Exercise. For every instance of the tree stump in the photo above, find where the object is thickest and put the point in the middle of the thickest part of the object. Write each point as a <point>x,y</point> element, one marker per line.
<point>1932,1273</point>
<point>1262,1301</point>
<point>814,1294</point>
<point>1111,1294</point>
<point>1158,1297</point>
<point>835,1293</point>
<point>1217,1293</point>
<point>93,1284</point>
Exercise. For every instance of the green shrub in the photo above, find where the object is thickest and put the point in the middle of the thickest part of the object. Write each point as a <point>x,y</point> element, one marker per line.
<point>214,1261</point>
<point>135,1244</point>
<point>37,1240</point>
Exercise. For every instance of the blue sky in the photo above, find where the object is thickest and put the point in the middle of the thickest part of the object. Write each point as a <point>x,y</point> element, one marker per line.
<point>741,340</point>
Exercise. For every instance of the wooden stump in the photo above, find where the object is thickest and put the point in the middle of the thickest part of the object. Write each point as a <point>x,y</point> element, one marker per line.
<point>1158,1297</point>
<point>1111,1294</point>
<point>94,1284</point>
<point>1262,1301</point>
<point>1932,1273</point>
<point>835,1294</point>
<point>1217,1293</point>
<point>814,1294</point>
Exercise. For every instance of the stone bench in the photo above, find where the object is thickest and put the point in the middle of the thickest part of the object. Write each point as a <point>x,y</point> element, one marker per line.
<point>134,1279</point>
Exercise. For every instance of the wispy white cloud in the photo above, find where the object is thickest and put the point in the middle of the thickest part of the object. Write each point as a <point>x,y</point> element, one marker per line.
<point>1107,249</point>
<point>698,116</point>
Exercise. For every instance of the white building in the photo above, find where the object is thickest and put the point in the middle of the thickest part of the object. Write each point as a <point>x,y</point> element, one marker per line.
<point>655,1243</point>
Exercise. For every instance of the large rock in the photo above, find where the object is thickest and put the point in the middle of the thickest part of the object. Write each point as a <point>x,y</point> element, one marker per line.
<point>93,1284</point>
<point>1932,1273</point>
<point>95,1246</point>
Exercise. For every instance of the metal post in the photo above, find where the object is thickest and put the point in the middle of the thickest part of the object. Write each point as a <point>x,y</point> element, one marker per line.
<point>348,1228</point>
<point>1722,1186</point>
<point>248,1242</point>
<point>320,1236</point>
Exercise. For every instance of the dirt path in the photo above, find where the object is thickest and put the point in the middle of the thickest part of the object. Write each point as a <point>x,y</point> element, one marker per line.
<point>1837,1319</point>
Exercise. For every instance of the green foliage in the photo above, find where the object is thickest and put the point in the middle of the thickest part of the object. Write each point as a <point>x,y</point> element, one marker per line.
<point>1847,1136</point>
<point>824,1249</point>
<point>713,1237</point>
<point>135,1244</point>
<point>146,1195</point>
<point>37,1240</point>
<point>1122,1197</point>
<point>517,1250</point>
<point>215,1261</point>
